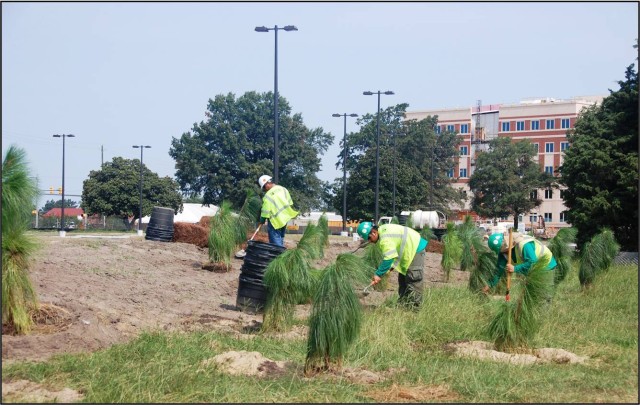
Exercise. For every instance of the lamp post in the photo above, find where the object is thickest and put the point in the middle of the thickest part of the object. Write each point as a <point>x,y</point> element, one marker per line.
<point>142,147</point>
<point>63,136</point>
<point>370,93</point>
<point>275,94</point>
<point>395,157</point>
<point>344,170</point>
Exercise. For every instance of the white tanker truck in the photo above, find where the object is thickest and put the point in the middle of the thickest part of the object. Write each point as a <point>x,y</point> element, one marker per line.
<point>420,219</point>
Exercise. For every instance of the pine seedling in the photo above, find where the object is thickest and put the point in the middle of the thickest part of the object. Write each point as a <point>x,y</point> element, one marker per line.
<point>427,233</point>
<point>483,271</point>
<point>373,257</point>
<point>312,241</point>
<point>323,225</point>
<point>518,320</point>
<point>472,243</point>
<point>452,250</point>
<point>288,281</point>
<point>248,216</point>
<point>559,246</point>
<point>336,314</point>
<point>223,235</point>
<point>597,256</point>
<point>19,192</point>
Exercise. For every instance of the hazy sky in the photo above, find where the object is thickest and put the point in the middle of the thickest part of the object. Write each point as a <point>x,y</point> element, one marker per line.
<point>123,74</point>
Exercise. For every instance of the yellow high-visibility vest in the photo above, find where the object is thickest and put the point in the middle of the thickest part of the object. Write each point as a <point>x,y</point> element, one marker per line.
<point>277,206</point>
<point>400,243</point>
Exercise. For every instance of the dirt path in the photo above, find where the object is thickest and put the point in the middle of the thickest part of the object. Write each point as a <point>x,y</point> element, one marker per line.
<point>109,290</point>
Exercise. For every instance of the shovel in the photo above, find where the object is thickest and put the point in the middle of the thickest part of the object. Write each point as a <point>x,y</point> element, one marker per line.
<point>507,297</point>
<point>241,253</point>
<point>365,292</point>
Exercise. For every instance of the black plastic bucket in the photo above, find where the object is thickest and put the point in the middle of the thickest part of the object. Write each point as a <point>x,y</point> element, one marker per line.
<point>160,226</point>
<point>252,293</point>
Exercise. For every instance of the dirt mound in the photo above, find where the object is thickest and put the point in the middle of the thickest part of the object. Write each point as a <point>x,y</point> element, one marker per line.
<point>246,363</point>
<point>191,233</point>
<point>31,392</point>
<point>486,350</point>
<point>435,246</point>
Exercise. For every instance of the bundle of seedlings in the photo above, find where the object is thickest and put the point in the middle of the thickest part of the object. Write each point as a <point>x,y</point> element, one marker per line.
<point>597,256</point>
<point>518,320</point>
<point>427,233</point>
<point>289,280</point>
<point>223,237</point>
<point>559,246</point>
<point>452,251</point>
<point>336,314</point>
<point>249,215</point>
<point>19,191</point>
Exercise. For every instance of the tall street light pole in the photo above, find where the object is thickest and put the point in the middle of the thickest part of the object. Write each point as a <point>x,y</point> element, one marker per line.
<point>275,95</point>
<point>142,147</point>
<point>370,93</point>
<point>63,136</point>
<point>344,170</point>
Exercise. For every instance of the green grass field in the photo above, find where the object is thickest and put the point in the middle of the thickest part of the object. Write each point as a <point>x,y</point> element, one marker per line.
<point>601,323</point>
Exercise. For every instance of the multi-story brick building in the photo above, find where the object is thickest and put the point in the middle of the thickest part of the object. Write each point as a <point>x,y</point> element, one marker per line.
<point>544,121</point>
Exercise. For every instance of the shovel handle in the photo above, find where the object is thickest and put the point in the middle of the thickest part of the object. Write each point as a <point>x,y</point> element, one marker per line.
<point>507,297</point>
<point>254,234</point>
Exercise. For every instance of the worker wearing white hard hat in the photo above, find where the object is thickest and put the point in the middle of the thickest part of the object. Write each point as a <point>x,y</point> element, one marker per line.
<point>277,209</point>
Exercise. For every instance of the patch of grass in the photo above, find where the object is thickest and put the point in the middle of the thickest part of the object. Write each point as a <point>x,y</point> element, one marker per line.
<point>601,323</point>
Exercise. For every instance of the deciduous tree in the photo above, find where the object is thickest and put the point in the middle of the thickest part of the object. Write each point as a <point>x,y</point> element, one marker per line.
<point>115,190</point>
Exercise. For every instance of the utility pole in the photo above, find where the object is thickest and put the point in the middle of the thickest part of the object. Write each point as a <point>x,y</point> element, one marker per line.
<point>102,154</point>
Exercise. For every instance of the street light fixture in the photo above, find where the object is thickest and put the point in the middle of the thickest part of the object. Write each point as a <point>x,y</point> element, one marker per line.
<point>142,147</point>
<point>63,136</point>
<point>344,169</point>
<point>275,95</point>
<point>370,93</point>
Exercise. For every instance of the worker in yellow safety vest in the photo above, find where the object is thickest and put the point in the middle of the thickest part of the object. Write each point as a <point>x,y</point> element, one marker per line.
<point>403,249</point>
<point>277,208</point>
<point>526,251</point>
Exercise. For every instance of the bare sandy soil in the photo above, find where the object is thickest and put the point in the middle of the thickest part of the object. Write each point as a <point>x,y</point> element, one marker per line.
<point>98,291</point>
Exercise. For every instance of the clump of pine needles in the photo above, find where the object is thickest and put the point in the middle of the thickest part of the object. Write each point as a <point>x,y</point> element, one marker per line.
<point>323,225</point>
<point>249,215</point>
<point>372,257</point>
<point>19,193</point>
<point>472,244</point>
<point>223,235</point>
<point>483,271</point>
<point>451,251</point>
<point>559,246</point>
<point>312,241</point>
<point>336,314</point>
<point>597,256</point>
<point>289,280</point>
<point>518,320</point>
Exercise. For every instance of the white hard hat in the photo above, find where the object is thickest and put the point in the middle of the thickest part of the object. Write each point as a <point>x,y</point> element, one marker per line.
<point>264,179</point>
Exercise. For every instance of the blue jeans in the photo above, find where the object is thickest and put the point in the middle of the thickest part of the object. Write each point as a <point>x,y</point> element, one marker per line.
<point>276,236</point>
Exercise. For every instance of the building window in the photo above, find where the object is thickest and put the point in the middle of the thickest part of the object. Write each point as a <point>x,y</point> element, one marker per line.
<point>535,125</point>
<point>450,128</point>
<point>548,194</point>
<point>536,147</point>
<point>562,194</point>
<point>520,126</point>
<point>548,217</point>
<point>533,218</point>
<point>463,172</point>
<point>564,146</point>
<point>551,124</point>
<point>450,173</point>
<point>464,150</point>
<point>565,123</point>
<point>549,170</point>
<point>534,195</point>
<point>548,147</point>
<point>563,216</point>
<point>438,129</point>
<point>464,128</point>
<point>505,127</point>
